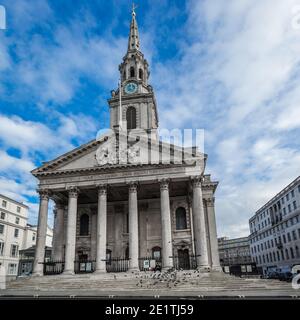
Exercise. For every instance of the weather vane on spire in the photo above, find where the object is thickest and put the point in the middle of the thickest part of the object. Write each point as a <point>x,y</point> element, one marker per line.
<point>133,8</point>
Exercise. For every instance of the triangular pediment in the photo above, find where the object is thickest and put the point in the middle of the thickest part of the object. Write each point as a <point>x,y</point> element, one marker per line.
<point>113,150</point>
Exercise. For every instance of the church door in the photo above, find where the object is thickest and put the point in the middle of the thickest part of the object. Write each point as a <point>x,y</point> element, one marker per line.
<point>183,259</point>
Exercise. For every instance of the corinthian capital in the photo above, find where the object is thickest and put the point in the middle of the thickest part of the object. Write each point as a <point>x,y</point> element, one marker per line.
<point>210,202</point>
<point>73,192</point>
<point>133,186</point>
<point>196,181</point>
<point>44,193</point>
<point>102,189</point>
<point>164,184</point>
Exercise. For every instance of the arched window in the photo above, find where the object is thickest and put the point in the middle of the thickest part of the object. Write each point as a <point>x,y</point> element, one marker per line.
<point>84,225</point>
<point>181,219</point>
<point>141,74</point>
<point>124,75</point>
<point>132,72</point>
<point>156,253</point>
<point>131,118</point>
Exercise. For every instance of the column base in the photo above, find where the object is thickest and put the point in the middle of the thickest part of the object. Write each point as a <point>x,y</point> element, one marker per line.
<point>204,269</point>
<point>68,273</point>
<point>217,269</point>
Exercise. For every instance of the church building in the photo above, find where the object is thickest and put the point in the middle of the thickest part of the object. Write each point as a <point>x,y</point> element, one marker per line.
<point>126,197</point>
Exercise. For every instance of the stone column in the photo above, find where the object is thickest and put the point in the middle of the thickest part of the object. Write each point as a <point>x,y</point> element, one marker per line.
<point>58,232</point>
<point>166,229</point>
<point>199,224</point>
<point>94,234</point>
<point>41,233</point>
<point>71,231</point>
<point>101,229</point>
<point>133,228</point>
<point>210,204</point>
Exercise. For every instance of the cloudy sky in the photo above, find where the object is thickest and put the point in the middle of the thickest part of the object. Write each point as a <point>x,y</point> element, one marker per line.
<point>231,67</point>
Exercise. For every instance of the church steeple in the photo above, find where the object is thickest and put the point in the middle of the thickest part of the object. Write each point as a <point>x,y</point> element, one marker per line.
<point>135,103</point>
<point>134,39</point>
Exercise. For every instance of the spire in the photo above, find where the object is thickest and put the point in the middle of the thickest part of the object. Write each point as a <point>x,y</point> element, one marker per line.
<point>134,39</point>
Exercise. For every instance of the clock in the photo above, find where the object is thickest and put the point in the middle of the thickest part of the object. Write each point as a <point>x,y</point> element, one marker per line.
<point>131,87</point>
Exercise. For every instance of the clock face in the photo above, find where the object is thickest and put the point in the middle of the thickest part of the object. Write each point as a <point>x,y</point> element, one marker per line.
<point>131,87</point>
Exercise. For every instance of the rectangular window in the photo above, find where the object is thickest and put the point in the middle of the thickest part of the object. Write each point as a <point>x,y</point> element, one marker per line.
<point>2,215</point>
<point>299,188</point>
<point>1,248</point>
<point>294,205</point>
<point>282,200</point>
<point>287,197</point>
<point>289,207</point>
<point>18,209</point>
<point>16,233</point>
<point>4,203</point>
<point>289,237</point>
<point>12,268</point>
<point>293,193</point>
<point>294,235</point>
<point>284,211</point>
<point>1,228</point>
<point>14,251</point>
<point>33,237</point>
<point>17,220</point>
<point>284,238</point>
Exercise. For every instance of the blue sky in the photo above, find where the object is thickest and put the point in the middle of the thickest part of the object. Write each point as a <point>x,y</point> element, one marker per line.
<point>229,67</point>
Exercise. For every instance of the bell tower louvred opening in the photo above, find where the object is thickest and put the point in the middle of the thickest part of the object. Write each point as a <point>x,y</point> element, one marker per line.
<point>136,94</point>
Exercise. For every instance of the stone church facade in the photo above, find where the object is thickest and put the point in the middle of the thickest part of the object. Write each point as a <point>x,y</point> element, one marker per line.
<point>126,194</point>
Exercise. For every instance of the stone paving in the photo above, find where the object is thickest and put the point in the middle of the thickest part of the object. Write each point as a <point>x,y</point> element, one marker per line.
<point>189,284</point>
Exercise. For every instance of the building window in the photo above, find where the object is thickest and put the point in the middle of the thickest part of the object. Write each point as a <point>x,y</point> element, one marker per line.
<point>297,252</point>
<point>287,254</point>
<point>132,72</point>
<point>18,209</point>
<point>292,253</point>
<point>293,193</point>
<point>181,219</point>
<point>284,211</point>
<point>131,118</point>
<point>16,233</point>
<point>156,253</point>
<point>17,220</point>
<point>2,215</point>
<point>4,203</point>
<point>284,238</point>
<point>294,235</point>
<point>289,208</point>
<point>141,74</point>
<point>294,205</point>
<point>1,248</point>
<point>14,250</point>
<point>278,256</point>
<point>33,237</point>
<point>289,236</point>
<point>12,268</point>
<point>84,225</point>
<point>287,197</point>
<point>299,188</point>
<point>274,256</point>
<point>1,228</point>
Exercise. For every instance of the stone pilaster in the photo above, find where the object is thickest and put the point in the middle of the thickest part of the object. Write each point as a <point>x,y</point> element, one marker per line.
<point>71,231</point>
<point>41,233</point>
<point>58,232</point>
<point>210,205</point>
<point>101,229</point>
<point>133,228</point>
<point>199,224</point>
<point>166,236</point>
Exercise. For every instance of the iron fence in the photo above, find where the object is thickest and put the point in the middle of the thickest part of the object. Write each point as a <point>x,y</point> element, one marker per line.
<point>53,267</point>
<point>117,265</point>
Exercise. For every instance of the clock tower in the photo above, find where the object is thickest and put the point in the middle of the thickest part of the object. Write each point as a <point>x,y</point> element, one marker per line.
<point>133,105</point>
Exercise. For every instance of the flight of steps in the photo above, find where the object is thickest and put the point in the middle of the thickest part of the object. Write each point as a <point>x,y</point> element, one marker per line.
<point>166,281</point>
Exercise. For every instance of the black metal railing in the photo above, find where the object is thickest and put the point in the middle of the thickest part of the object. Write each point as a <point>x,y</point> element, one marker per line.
<point>84,266</point>
<point>185,262</point>
<point>53,267</point>
<point>117,265</point>
<point>149,263</point>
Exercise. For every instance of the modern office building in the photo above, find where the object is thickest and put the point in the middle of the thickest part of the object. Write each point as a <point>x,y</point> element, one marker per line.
<point>275,231</point>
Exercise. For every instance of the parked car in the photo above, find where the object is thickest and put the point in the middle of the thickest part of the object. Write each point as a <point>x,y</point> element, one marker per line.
<point>273,275</point>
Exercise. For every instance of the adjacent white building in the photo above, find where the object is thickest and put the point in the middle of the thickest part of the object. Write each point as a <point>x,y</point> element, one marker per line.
<point>275,231</point>
<point>16,234</point>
